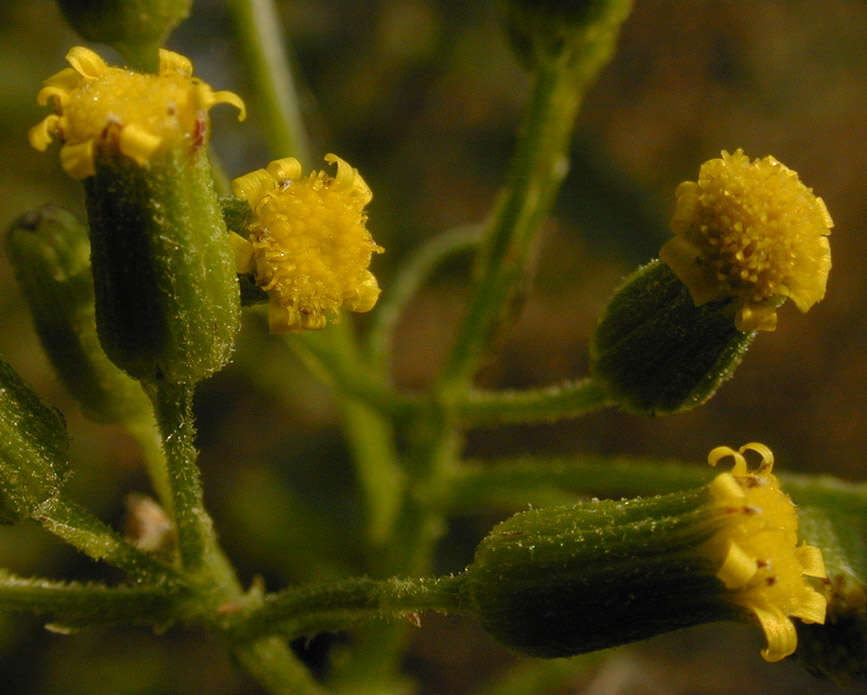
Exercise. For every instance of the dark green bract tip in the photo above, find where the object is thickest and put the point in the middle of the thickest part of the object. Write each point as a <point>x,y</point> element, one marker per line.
<point>656,352</point>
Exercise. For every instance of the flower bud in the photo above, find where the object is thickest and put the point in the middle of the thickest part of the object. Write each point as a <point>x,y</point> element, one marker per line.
<point>167,299</point>
<point>656,351</point>
<point>129,26</point>
<point>566,580</point>
<point>50,253</point>
<point>34,448</point>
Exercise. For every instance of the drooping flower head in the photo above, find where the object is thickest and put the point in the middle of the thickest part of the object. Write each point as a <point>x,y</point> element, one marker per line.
<point>308,246</point>
<point>750,230</point>
<point>138,114</point>
<point>760,560</point>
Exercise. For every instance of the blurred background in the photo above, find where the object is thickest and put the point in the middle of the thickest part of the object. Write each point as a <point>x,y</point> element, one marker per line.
<point>424,98</point>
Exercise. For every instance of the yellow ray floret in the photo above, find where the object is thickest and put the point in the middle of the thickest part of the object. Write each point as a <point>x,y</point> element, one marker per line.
<point>752,231</point>
<point>137,114</point>
<point>307,244</point>
<point>759,559</point>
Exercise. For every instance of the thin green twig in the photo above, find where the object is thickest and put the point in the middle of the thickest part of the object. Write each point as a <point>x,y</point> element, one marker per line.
<point>84,531</point>
<point>260,33</point>
<point>316,608</point>
<point>549,404</point>
<point>77,605</point>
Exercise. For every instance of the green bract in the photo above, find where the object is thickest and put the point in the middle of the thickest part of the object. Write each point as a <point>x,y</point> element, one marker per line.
<point>50,252</point>
<point>167,297</point>
<point>656,352</point>
<point>34,448</point>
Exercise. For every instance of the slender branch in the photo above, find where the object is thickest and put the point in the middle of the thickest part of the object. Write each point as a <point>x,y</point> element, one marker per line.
<point>307,610</point>
<point>84,531</point>
<point>259,31</point>
<point>197,542</point>
<point>77,604</point>
<point>173,405</point>
<point>413,273</point>
<point>538,168</point>
<point>327,354</point>
<point>549,404</point>
<point>274,666</point>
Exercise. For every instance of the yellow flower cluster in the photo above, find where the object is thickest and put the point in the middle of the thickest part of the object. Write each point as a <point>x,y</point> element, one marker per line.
<point>752,231</point>
<point>138,114</point>
<point>308,246</point>
<point>759,559</point>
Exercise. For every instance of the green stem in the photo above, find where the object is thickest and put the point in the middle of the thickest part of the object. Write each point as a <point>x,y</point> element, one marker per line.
<point>275,667</point>
<point>308,610</point>
<point>76,604</point>
<point>259,31</point>
<point>333,356</point>
<point>413,273</point>
<point>83,531</point>
<point>197,542</point>
<point>538,168</point>
<point>549,404</point>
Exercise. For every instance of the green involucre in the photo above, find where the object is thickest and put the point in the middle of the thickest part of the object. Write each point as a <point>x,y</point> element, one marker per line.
<point>167,298</point>
<point>656,352</point>
<point>565,580</point>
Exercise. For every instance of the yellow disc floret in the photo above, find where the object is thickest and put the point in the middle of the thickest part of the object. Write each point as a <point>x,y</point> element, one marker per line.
<point>138,114</point>
<point>308,246</point>
<point>752,231</point>
<point>759,559</point>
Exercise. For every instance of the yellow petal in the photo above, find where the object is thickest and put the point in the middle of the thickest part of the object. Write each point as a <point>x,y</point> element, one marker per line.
<point>812,608</point>
<point>41,135</point>
<point>77,160</point>
<point>86,62</point>
<point>286,169</point>
<point>737,568</point>
<point>811,560</point>
<point>137,143</point>
<point>251,187</point>
<point>174,62</point>
<point>756,318</point>
<point>226,97</point>
<point>779,631</point>
<point>58,86</point>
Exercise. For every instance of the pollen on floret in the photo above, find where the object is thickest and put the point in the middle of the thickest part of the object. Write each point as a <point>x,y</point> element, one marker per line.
<point>751,231</point>
<point>307,244</point>
<point>756,548</point>
<point>137,114</point>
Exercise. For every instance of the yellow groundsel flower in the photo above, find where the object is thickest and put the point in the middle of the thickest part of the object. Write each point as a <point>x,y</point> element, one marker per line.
<point>752,231</point>
<point>138,114</point>
<point>308,247</point>
<point>760,561</point>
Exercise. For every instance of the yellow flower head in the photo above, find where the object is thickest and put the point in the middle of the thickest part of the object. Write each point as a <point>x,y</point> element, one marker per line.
<point>308,247</point>
<point>760,561</point>
<point>751,231</point>
<point>138,114</point>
